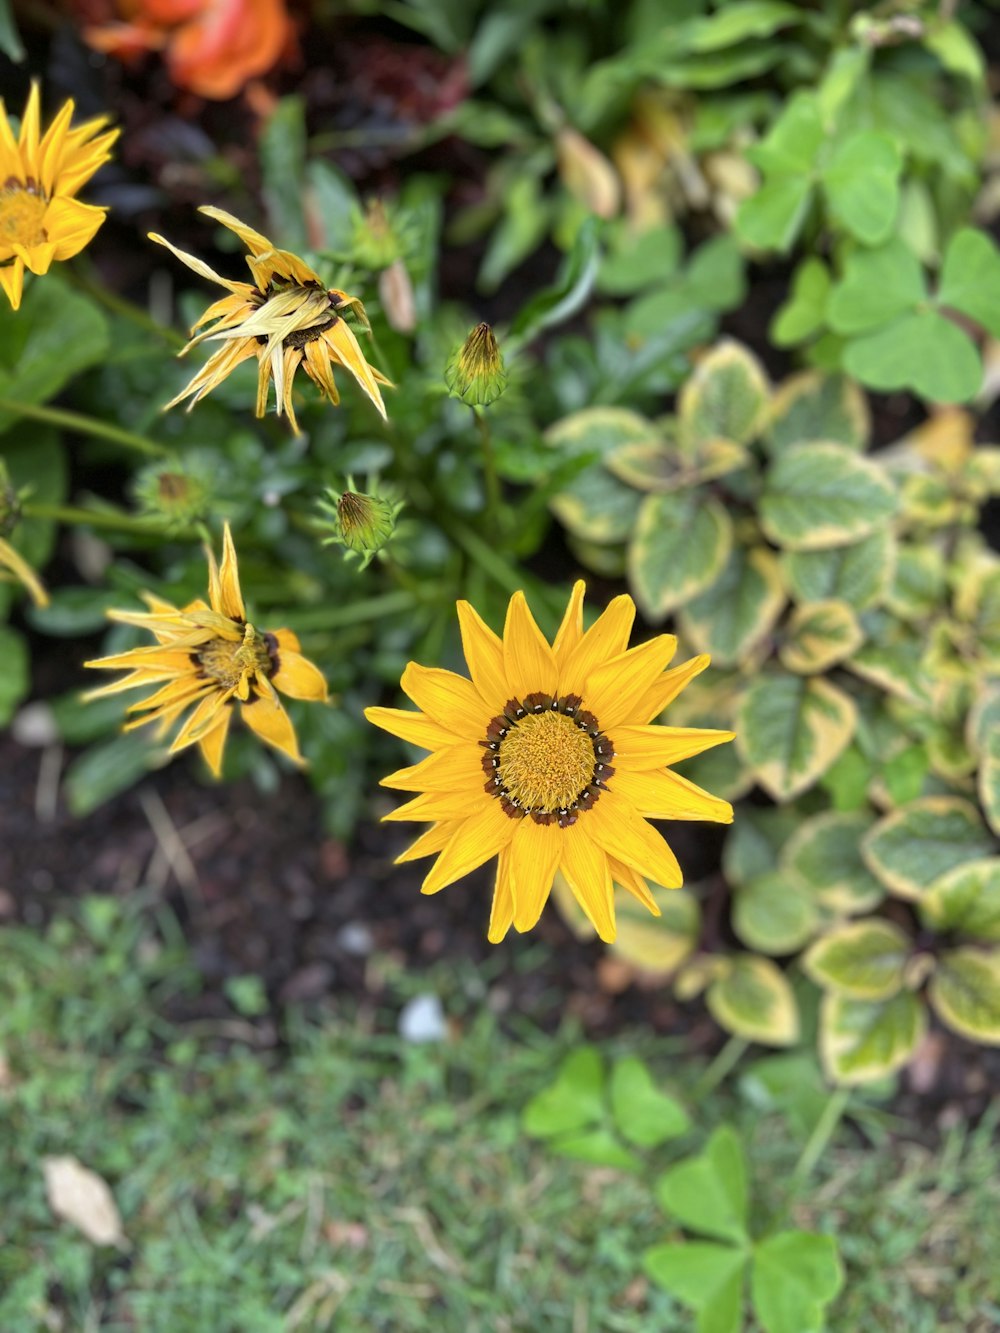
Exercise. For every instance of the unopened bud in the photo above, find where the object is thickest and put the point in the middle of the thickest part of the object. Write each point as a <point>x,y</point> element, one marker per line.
<point>376,241</point>
<point>178,494</point>
<point>364,524</point>
<point>476,372</point>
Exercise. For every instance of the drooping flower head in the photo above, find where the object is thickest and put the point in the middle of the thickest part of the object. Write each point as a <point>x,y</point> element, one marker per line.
<point>285,317</point>
<point>41,220</point>
<point>208,659</point>
<point>548,759</point>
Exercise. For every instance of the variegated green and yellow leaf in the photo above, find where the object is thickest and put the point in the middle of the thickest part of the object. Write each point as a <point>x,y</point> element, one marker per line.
<point>753,999</point>
<point>825,852</point>
<point>820,635</point>
<point>965,993</point>
<point>966,901</point>
<point>864,1040</point>
<point>858,574</point>
<point>599,431</point>
<point>657,945</point>
<point>863,959</point>
<point>596,507</point>
<point>739,611</point>
<point>791,729</point>
<point>822,494</point>
<point>911,848</point>
<point>657,467</point>
<point>775,913</point>
<point>813,406</point>
<point>896,664</point>
<point>679,548</point>
<point>919,586</point>
<point>983,737</point>
<point>726,397</point>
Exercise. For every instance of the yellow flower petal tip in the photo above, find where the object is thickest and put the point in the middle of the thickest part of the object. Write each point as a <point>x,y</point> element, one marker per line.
<point>208,661</point>
<point>285,318</point>
<point>41,220</point>
<point>547,758</point>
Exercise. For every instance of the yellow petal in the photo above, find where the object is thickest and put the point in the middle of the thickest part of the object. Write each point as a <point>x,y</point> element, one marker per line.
<point>534,859</point>
<point>456,768</point>
<point>667,795</point>
<point>450,700</point>
<point>615,826</point>
<point>588,874</point>
<point>253,240</point>
<point>635,884</point>
<point>571,630</point>
<point>28,138</point>
<point>201,721</point>
<point>268,719</point>
<point>347,351</point>
<point>430,842</point>
<point>473,842</point>
<point>615,689</point>
<point>287,640</point>
<point>196,265</point>
<point>439,805</point>
<point>169,661</point>
<point>12,281</point>
<point>529,663</point>
<point>502,908</point>
<point>484,656</point>
<point>416,728</point>
<point>71,225</point>
<point>641,748</point>
<point>665,690</point>
<point>22,571</point>
<point>299,678</point>
<point>607,637</point>
<point>229,580</point>
<point>213,743</point>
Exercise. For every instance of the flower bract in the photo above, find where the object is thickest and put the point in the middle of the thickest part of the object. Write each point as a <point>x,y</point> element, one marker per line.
<point>549,759</point>
<point>285,317</point>
<point>41,220</point>
<point>209,660</point>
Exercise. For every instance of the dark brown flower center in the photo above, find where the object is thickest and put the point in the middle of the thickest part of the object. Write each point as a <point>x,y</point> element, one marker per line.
<point>227,660</point>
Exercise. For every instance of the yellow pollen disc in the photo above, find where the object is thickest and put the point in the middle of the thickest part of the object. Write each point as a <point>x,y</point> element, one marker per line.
<point>228,662</point>
<point>22,212</point>
<point>546,761</point>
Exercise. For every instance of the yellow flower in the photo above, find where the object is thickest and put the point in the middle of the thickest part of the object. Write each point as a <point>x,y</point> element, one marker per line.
<point>22,572</point>
<point>572,768</point>
<point>207,658</point>
<point>40,220</point>
<point>285,317</point>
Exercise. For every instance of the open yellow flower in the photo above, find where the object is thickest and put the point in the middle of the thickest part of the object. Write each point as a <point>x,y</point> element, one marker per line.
<point>285,317</point>
<point>572,767</point>
<point>208,659</point>
<point>40,219</point>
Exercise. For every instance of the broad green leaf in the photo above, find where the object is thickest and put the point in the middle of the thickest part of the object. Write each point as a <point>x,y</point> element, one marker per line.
<point>282,151</point>
<point>957,50</point>
<point>772,218</point>
<point>639,261</point>
<point>598,431</point>
<point>36,458</point>
<point>573,1100</point>
<point>661,467</point>
<point>920,584</point>
<point>861,182</point>
<point>331,203</point>
<point>825,853</point>
<point>911,848</point>
<point>970,278</point>
<point>105,769</point>
<point>820,495</point>
<point>754,1000</point>
<point>597,507</point>
<point>680,545</point>
<point>725,398</point>
<point>820,635</point>
<point>657,944</point>
<point>708,1193</point>
<point>738,21</point>
<point>847,781</point>
<point>739,610</point>
<point>15,678</point>
<point>966,901</point>
<point>795,1276</point>
<point>847,67</point>
<point>965,992</point>
<point>858,574</point>
<point>864,1040</point>
<point>704,1275</point>
<point>644,1115</point>
<point>877,286</point>
<point>599,1147</point>
<point>754,843</point>
<point>896,665</point>
<point>56,333</point>
<point>804,313</point>
<point>988,777</point>
<point>865,959</point>
<point>775,913</point>
<point>715,278</point>
<point>791,144</point>
<point>790,729</point>
<point>922,351</point>
<point>812,406</point>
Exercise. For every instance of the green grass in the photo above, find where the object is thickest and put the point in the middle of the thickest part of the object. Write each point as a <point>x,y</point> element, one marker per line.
<point>351,1182</point>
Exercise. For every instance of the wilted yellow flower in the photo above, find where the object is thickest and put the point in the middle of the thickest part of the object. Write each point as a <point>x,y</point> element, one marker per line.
<point>285,317</point>
<point>40,219</point>
<point>572,768</point>
<point>207,658</point>
<point>476,372</point>
<point>12,560</point>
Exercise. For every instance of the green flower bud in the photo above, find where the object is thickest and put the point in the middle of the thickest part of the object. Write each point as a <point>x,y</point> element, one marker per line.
<point>476,372</point>
<point>376,242</point>
<point>177,494</point>
<point>364,524</point>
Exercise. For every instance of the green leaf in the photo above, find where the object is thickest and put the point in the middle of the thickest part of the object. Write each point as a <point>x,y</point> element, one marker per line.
<point>332,204</point>
<point>518,234</point>
<point>726,397</point>
<point>597,432</point>
<point>775,913</point>
<point>858,574</point>
<point>657,945</point>
<point>965,992</point>
<point>570,291</point>
<point>755,842</point>
<point>640,261</point>
<point>861,182</point>
<point>663,467</point>
<point>680,545</point>
<point>820,495</point>
<point>791,145</point>
<point>790,729</point>
<point>804,313</point>
<point>15,678</point>
<point>738,21</point>
<point>597,507</point>
<point>282,150</point>
<point>104,770</point>
<point>920,583</point>
<point>966,901</point>
<point>970,278</point>
<point>795,1276</point>
<point>877,286</point>
<point>825,853</point>
<point>599,1147</point>
<point>772,218</point>
<point>10,39</point>
<point>865,959</point>
<point>847,781</point>
<point>754,1000</point>
<point>922,351</point>
<point>36,458</point>
<point>573,1100</point>
<point>708,1193</point>
<point>56,333</point>
<point>739,610</point>
<point>864,1040</point>
<point>911,848</point>
<point>811,406</point>
<point>820,635</point>
<point>706,1276</point>
<point>644,1115</point>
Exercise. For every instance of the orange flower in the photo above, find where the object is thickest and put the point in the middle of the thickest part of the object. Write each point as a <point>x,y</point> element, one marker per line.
<point>212,47</point>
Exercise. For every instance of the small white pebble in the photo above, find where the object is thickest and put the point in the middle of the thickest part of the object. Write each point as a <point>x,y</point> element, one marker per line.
<point>355,938</point>
<point>422,1020</point>
<point>35,726</point>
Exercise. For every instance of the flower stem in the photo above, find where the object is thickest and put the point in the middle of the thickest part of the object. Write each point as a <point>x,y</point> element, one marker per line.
<point>103,518</point>
<point>104,430</point>
<point>721,1066</point>
<point>822,1133</point>
<point>356,613</point>
<point>120,305</point>
<point>489,560</point>
<point>490,476</point>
